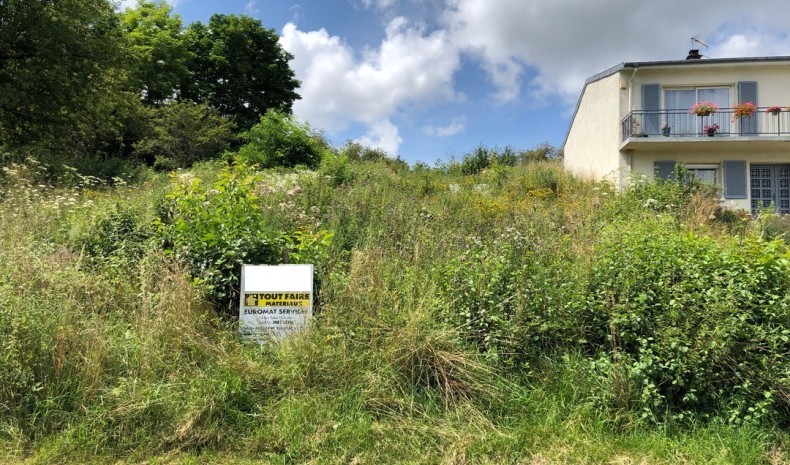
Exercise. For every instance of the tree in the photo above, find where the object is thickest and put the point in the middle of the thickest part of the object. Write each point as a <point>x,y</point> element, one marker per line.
<point>238,68</point>
<point>183,133</point>
<point>541,152</point>
<point>279,140</point>
<point>155,42</point>
<point>53,58</point>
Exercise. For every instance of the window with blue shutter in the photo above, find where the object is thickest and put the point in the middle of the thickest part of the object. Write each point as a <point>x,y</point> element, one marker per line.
<point>735,179</point>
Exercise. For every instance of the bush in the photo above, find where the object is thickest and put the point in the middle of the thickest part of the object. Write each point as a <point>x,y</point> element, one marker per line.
<point>358,152</point>
<point>337,167</point>
<point>481,288</point>
<point>216,228</point>
<point>516,300</point>
<point>694,325</point>
<point>667,195</point>
<point>483,157</point>
<point>477,161</point>
<point>773,226</point>
<point>120,236</point>
<point>541,152</point>
<point>280,140</point>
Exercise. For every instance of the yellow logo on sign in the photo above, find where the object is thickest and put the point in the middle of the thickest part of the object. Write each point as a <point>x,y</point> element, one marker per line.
<point>277,299</point>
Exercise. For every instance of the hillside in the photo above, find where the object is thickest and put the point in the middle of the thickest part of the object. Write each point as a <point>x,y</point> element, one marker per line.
<point>499,314</point>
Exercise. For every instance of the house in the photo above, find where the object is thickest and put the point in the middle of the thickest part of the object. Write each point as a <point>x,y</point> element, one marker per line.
<point>635,119</point>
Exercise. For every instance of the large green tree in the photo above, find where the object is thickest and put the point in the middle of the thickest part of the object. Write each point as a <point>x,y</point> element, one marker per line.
<point>154,38</point>
<point>239,68</point>
<point>183,133</point>
<point>54,55</point>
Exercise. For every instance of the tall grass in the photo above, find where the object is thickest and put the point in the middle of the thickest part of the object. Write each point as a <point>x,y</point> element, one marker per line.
<point>454,326</point>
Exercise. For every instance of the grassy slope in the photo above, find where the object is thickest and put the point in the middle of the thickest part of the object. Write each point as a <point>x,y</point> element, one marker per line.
<point>124,361</point>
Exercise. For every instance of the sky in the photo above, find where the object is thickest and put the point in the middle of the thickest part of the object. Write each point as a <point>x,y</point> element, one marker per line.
<point>427,80</point>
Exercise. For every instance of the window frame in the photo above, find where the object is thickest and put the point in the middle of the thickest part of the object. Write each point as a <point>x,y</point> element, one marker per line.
<point>715,167</point>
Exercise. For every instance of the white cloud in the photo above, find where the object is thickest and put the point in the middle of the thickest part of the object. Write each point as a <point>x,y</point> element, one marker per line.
<point>251,7</point>
<point>297,13</point>
<point>409,69</point>
<point>456,126</point>
<point>557,44</point>
<point>753,43</point>
<point>533,52</point>
<point>382,135</point>
<point>124,4</point>
<point>381,4</point>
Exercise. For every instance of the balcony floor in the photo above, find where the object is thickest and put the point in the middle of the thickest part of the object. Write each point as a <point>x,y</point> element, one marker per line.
<point>719,143</point>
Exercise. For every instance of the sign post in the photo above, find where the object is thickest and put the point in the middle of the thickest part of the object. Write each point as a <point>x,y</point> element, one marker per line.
<point>276,300</point>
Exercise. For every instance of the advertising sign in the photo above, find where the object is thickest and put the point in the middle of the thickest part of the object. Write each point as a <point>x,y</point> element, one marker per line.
<point>276,300</point>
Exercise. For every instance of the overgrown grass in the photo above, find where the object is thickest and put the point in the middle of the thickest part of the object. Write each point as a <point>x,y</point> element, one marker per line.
<point>491,317</point>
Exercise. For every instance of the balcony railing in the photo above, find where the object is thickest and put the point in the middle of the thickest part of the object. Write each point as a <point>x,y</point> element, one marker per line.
<point>679,123</point>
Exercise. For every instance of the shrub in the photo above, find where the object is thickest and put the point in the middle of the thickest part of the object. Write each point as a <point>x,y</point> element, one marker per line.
<point>483,157</point>
<point>337,167</point>
<point>215,229</point>
<point>515,299</point>
<point>477,161</point>
<point>541,152</point>
<point>119,236</point>
<point>695,326</point>
<point>358,152</point>
<point>773,226</point>
<point>480,286</point>
<point>280,140</point>
<point>667,195</point>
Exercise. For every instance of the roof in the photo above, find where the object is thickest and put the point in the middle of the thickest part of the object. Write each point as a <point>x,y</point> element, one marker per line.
<point>668,64</point>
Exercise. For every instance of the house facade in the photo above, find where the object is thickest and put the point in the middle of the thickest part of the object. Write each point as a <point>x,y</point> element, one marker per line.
<point>635,119</point>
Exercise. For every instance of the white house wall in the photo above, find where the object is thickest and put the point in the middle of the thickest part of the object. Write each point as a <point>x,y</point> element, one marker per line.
<point>592,147</point>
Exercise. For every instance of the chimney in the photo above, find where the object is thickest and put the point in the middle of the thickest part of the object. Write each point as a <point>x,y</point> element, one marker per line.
<point>694,54</point>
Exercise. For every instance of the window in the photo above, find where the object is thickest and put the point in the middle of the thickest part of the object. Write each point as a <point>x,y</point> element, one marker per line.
<point>705,173</point>
<point>678,101</point>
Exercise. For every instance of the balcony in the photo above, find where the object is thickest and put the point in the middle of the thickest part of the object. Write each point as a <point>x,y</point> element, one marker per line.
<point>674,125</point>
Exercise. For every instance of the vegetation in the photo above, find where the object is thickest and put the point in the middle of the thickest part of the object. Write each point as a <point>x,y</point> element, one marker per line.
<point>85,85</point>
<point>239,69</point>
<point>279,140</point>
<point>53,58</point>
<point>493,309</point>
<point>516,314</point>
<point>182,133</point>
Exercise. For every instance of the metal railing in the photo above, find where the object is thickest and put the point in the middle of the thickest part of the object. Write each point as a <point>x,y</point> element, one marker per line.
<point>722,123</point>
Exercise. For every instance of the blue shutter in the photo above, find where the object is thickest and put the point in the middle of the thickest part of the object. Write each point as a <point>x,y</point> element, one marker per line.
<point>651,102</point>
<point>735,179</point>
<point>664,170</point>
<point>747,92</point>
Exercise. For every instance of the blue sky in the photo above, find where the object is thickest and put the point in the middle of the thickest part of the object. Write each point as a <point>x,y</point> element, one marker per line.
<point>429,79</point>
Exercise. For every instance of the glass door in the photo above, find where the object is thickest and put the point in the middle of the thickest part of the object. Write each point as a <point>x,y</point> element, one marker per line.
<point>770,185</point>
<point>721,97</point>
<point>678,101</point>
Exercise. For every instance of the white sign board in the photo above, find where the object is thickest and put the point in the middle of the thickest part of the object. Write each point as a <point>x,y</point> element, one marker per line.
<point>276,300</point>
